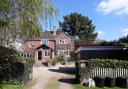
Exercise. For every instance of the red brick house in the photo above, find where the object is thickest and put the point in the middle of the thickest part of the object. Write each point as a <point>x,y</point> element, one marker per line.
<point>50,44</point>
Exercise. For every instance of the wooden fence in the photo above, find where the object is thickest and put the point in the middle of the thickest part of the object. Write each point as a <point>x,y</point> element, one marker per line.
<point>85,69</point>
<point>109,72</point>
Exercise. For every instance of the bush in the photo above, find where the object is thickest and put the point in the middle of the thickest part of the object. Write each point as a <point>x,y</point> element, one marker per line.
<point>85,68</point>
<point>110,63</point>
<point>54,61</point>
<point>7,86</point>
<point>62,58</point>
<point>25,59</point>
<point>7,54</point>
<point>13,67</point>
<point>11,82</point>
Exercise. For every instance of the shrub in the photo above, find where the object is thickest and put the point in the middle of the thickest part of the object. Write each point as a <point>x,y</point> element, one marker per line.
<point>13,66</point>
<point>62,58</point>
<point>54,61</point>
<point>7,54</point>
<point>86,70</point>
<point>11,82</point>
<point>110,63</point>
<point>25,59</point>
<point>6,86</point>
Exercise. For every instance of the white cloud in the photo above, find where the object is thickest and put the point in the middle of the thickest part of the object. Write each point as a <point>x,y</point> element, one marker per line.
<point>125,32</point>
<point>119,7</point>
<point>100,32</point>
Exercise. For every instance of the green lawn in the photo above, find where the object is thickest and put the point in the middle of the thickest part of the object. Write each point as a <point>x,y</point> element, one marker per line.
<point>11,87</point>
<point>78,86</point>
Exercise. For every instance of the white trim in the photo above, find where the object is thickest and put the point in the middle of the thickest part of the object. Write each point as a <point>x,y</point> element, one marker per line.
<point>47,53</point>
<point>63,41</point>
<point>44,41</point>
<point>38,56</point>
<point>63,51</point>
<point>100,48</point>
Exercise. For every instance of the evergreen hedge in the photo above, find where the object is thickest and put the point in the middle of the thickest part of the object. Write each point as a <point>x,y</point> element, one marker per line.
<point>110,63</point>
<point>14,67</point>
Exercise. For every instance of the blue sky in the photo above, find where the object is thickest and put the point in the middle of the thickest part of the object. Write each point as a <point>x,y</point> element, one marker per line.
<point>109,16</point>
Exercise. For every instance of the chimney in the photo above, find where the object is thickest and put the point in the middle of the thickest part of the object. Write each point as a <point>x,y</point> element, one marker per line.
<point>54,30</point>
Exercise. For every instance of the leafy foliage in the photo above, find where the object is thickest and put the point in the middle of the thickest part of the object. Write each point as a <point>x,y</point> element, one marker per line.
<point>109,63</point>
<point>8,54</point>
<point>120,41</point>
<point>25,59</point>
<point>54,61</point>
<point>85,68</point>
<point>23,18</point>
<point>7,86</point>
<point>62,58</point>
<point>80,26</point>
<point>11,82</point>
<point>124,39</point>
<point>13,67</point>
<point>110,43</point>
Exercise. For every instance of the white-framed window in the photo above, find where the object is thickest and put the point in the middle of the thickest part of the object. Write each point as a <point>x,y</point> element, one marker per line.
<point>63,51</point>
<point>44,41</point>
<point>47,53</point>
<point>63,41</point>
<point>32,45</point>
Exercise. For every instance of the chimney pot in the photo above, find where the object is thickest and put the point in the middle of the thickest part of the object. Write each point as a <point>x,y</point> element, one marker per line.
<point>54,30</point>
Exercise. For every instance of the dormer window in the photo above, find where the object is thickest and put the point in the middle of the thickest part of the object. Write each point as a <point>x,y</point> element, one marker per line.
<point>62,41</point>
<point>31,45</point>
<point>44,41</point>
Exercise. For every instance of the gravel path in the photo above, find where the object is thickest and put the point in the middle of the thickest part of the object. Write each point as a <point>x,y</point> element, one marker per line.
<point>42,76</point>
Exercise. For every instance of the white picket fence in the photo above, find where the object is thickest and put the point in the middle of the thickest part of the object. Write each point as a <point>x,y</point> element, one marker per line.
<point>109,72</point>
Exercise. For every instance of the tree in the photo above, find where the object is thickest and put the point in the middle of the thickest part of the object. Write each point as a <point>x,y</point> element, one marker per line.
<point>24,18</point>
<point>110,43</point>
<point>124,39</point>
<point>79,26</point>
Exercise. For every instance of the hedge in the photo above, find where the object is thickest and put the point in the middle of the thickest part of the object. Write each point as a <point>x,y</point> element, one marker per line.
<point>110,63</point>
<point>87,70</point>
<point>13,66</point>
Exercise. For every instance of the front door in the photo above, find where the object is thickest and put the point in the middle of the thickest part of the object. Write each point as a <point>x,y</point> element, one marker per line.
<point>39,55</point>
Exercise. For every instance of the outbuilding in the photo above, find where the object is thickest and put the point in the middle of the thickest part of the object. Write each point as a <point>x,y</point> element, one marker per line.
<point>104,52</point>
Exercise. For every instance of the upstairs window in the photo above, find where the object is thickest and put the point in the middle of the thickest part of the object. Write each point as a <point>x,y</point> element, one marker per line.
<point>32,45</point>
<point>62,41</point>
<point>47,53</point>
<point>63,51</point>
<point>44,41</point>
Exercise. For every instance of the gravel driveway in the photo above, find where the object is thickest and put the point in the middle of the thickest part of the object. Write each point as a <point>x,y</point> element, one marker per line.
<point>43,75</point>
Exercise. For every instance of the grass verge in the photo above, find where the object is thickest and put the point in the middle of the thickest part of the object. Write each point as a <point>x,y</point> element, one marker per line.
<point>12,87</point>
<point>9,86</point>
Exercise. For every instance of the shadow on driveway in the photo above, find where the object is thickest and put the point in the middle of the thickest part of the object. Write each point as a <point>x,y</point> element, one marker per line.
<point>68,80</point>
<point>66,70</point>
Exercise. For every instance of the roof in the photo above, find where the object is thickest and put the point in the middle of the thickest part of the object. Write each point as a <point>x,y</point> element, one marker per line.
<point>89,48</point>
<point>45,46</point>
<point>50,36</point>
<point>25,49</point>
<point>31,39</point>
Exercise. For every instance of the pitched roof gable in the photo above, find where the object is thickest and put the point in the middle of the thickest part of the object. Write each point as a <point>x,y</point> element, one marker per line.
<point>49,35</point>
<point>44,46</point>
